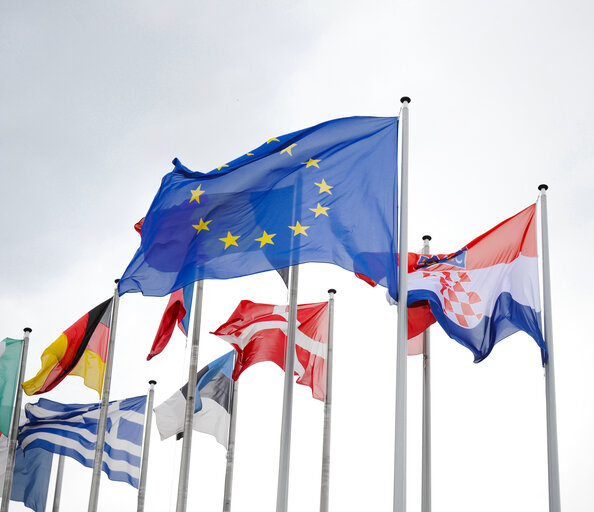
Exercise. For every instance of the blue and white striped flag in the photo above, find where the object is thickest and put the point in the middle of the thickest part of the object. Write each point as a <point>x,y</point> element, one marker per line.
<point>71,430</point>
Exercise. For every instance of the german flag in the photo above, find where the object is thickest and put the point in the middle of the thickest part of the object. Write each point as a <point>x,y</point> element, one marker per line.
<point>80,350</point>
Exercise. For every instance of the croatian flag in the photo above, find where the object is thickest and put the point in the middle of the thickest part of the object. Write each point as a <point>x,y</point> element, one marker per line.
<point>487,290</point>
<point>259,333</point>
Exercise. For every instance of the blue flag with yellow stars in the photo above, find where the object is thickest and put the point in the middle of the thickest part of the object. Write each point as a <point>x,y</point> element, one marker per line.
<point>325,194</point>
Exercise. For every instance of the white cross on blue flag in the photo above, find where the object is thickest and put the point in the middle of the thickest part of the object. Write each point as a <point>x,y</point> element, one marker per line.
<point>71,430</point>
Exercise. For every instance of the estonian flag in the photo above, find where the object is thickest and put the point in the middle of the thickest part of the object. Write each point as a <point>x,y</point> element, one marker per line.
<point>212,411</point>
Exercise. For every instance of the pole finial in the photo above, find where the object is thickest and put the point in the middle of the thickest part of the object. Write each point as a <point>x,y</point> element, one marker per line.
<point>426,237</point>
<point>28,329</point>
<point>331,290</point>
<point>405,99</point>
<point>543,187</point>
<point>116,281</point>
<point>152,382</point>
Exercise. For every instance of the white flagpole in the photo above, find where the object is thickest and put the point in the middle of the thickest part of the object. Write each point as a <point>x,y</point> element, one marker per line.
<point>282,494</point>
<point>325,490</point>
<point>14,424</point>
<point>98,461</point>
<point>402,340</point>
<point>552,448</point>
<point>148,418</point>
<point>231,448</point>
<point>58,487</point>
<point>184,470</point>
<point>426,465</point>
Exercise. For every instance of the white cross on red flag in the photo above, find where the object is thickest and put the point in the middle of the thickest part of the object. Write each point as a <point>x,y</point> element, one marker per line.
<point>258,332</point>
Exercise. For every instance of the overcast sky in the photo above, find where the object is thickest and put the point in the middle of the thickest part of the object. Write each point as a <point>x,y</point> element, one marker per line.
<point>98,98</point>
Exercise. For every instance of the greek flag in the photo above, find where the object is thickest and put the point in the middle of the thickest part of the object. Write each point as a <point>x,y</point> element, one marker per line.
<point>71,430</point>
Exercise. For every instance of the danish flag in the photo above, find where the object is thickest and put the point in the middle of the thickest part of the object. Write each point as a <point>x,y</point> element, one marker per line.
<point>258,332</point>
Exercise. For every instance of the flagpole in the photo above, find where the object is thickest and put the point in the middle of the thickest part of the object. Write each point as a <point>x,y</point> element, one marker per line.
<point>282,494</point>
<point>98,461</point>
<point>58,488</point>
<point>231,448</point>
<point>426,464</point>
<point>325,489</point>
<point>184,470</point>
<point>145,446</point>
<point>552,447</point>
<point>14,424</point>
<point>401,348</point>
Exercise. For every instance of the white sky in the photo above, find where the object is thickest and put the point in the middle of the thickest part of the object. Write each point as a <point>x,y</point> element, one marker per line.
<point>97,99</point>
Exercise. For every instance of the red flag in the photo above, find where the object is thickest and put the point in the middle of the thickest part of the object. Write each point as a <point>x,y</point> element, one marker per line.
<point>138,226</point>
<point>258,332</point>
<point>175,312</point>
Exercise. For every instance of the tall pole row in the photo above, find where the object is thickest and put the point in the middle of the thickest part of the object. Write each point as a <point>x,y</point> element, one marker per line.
<point>402,340</point>
<point>184,470</point>
<point>14,424</point>
<point>98,461</point>
<point>325,488</point>
<point>148,418</point>
<point>551,403</point>
<point>426,464</point>
<point>282,495</point>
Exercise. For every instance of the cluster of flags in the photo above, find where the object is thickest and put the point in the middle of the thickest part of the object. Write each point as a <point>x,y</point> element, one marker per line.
<point>323,194</point>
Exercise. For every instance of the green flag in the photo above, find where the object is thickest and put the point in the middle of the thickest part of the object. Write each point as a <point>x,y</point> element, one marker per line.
<point>10,357</point>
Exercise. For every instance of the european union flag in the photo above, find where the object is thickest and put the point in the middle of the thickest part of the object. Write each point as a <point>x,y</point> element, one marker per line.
<point>325,194</point>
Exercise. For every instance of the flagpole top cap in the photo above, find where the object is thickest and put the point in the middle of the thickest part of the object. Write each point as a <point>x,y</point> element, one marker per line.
<point>543,187</point>
<point>332,291</point>
<point>152,382</point>
<point>405,99</point>
<point>426,237</point>
<point>116,281</point>
<point>28,329</point>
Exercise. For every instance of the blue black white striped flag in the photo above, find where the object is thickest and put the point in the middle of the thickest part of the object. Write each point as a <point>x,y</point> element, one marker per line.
<point>71,430</point>
<point>212,412</point>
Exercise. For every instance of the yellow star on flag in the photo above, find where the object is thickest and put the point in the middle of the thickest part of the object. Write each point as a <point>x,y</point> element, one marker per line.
<point>311,162</point>
<point>320,210</point>
<point>273,139</point>
<point>265,239</point>
<point>229,239</point>
<point>196,194</point>
<point>288,149</point>
<point>224,165</point>
<point>298,229</point>
<point>324,187</point>
<point>249,154</point>
<point>202,225</point>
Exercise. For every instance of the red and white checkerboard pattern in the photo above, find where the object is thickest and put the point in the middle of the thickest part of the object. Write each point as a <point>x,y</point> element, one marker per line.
<point>458,304</point>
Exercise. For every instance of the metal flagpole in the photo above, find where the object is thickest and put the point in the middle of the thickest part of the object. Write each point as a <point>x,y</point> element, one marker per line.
<point>426,464</point>
<point>282,494</point>
<point>58,488</point>
<point>231,448</point>
<point>14,424</point>
<point>552,448</point>
<point>325,490</point>
<point>98,462</point>
<point>145,446</point>
<point>184,470</point>
<point>402,340</point>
